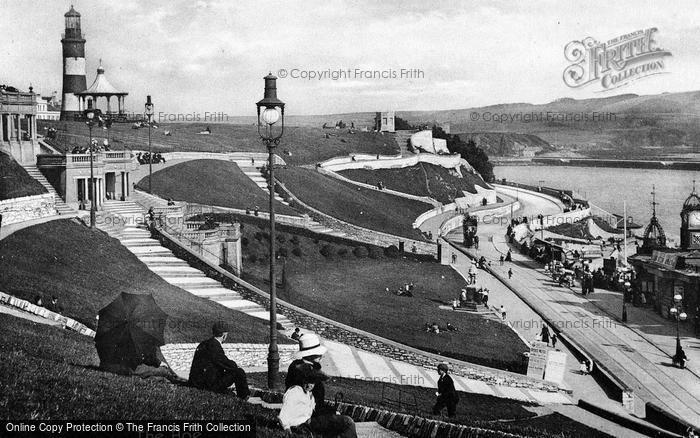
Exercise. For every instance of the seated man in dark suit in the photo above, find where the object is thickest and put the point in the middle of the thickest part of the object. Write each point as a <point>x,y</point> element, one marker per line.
<point>212,370</point>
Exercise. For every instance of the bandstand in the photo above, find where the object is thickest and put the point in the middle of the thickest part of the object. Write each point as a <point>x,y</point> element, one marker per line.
<point>101,87</point>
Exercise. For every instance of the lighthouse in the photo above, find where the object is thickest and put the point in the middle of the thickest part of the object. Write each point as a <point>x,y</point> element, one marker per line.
<point>73,65</point>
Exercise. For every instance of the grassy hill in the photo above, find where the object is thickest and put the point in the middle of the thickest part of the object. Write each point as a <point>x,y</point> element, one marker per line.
<point>211,182</point>
<point>51,374</point>
<point>15,182</point>
<point>307,145</point>
<point>423,179</point>
<point>359,206</point>
<point>87,269</point>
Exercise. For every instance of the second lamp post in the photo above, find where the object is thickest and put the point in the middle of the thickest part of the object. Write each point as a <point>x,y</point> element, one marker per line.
<point>270,111</point>
<point>149,114</point>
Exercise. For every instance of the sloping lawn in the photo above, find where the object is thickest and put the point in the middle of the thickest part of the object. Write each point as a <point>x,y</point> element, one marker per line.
<point>351,290</point>
<point>51,374</point>
<point>15,182</point>
<point>211,182</point>
<point>87,269</point>
<point>306,145</point>
<point>423,179</point>
<point>366,208</point>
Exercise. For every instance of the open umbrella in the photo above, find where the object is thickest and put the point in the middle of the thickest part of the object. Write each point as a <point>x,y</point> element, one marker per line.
<point>129,328</point>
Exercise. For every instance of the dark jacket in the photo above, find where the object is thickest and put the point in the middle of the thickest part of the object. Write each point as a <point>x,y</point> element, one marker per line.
<point>209,364</point>
<point>446,388</point>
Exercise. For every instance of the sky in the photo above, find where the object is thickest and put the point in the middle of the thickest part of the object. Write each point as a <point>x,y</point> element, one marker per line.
<point>210,56</point>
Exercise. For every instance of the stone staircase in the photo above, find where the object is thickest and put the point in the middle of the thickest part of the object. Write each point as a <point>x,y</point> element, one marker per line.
<point>123,220</point>
<point>402,138</point>
<point>61,206</point>
<point>257,177</point>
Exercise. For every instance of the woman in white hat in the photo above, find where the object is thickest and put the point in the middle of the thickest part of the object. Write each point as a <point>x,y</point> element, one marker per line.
<point>308,362</point>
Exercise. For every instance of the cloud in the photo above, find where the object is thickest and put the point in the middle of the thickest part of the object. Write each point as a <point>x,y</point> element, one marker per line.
<point>211,55</point>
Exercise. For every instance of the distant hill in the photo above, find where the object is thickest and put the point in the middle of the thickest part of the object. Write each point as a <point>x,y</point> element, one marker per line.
<point>508,144</point>
<point>625,125</point>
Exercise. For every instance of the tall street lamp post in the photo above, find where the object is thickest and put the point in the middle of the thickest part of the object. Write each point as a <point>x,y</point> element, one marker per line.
<point>270,111</point>
<point>149,114</point>
<point>90,116</point>
<point>680,315</point>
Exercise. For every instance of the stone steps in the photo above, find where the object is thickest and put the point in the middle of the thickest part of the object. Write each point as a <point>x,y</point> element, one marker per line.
<point>61,207</point>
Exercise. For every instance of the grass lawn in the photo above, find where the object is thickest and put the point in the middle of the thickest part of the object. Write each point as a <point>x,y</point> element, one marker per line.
<point>423,179</point>
<point>15,182</point>
<point>306,145</point>
<point>473,409</point>
<point>51,374</point>
<point>87,269</point>
<point>366,208</point>
<point>211,182</point>
<point>351,290</point>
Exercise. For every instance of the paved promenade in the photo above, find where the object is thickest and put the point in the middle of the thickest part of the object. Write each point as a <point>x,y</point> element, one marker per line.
<point>637,353</point>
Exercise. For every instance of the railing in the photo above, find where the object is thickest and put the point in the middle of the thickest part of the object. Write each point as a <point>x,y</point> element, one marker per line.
<point>50,160</point>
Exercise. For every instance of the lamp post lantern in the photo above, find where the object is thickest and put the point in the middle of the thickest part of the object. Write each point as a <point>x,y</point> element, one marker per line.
<point>149,114</point>
<point>270,111</point>
<point>90,122</point>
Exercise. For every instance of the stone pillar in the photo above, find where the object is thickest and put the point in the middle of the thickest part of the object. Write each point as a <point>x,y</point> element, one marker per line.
<point>19,128</point>
<point>231,249</point>
<point>34,128</point>
<point>109,110</point>
<point>2,127</point>
<point>11,127</point>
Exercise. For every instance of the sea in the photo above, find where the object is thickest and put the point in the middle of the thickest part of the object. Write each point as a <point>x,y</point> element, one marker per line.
<point>608,188</point>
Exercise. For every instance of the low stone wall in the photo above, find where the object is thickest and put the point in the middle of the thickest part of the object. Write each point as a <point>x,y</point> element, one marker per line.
<point>27,208</point>
<point>179,356</point>
<point>259,157</point>
<point>372,162</point>
<point>25,305</point>
<point>482,215</point>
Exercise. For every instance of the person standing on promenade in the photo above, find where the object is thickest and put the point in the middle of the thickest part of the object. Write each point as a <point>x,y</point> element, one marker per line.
<point>510,274</point>
<point>545,333</point>
<point>554,339</point>
<point>503,312</point>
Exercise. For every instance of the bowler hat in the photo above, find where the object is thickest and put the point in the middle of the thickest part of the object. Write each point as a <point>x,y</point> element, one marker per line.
<point>310,345</point>
<point>219,328</point>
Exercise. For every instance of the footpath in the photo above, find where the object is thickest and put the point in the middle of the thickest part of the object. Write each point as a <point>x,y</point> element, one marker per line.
<point>637,353</point>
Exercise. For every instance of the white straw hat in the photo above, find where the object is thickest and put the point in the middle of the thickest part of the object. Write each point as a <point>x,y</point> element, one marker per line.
<point>310,345</point>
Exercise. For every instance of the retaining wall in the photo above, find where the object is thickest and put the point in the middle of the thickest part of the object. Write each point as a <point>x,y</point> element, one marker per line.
<point>27,208</point>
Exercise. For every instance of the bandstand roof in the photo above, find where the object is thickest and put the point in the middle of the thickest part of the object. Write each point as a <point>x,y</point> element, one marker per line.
<point>101,86</point>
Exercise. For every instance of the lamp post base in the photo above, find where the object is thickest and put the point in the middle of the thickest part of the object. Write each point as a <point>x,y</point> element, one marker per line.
<point>273,367</point>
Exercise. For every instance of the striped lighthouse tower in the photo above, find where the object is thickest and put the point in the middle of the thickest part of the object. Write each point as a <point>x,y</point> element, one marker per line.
<point>73,65</point>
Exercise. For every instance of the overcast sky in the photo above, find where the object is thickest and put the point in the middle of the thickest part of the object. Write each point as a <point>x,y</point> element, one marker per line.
<point>197,56</point>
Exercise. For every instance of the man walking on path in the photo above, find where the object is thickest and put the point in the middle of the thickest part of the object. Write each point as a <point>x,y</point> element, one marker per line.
<point>510,274</point>
<point>446,394</point>
<point>503,312</point>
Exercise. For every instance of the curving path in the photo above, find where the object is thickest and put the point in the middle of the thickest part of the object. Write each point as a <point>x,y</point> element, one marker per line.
<point>634,359</point>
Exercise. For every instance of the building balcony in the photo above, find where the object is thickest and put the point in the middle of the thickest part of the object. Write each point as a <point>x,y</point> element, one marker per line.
<point>17,103</point>
<point>109,161</point>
